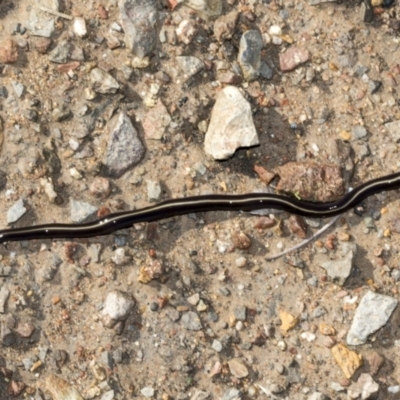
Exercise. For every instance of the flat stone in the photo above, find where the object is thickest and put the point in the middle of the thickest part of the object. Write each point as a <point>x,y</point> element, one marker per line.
<point>40,25</point>
<point>124,149</point>
<point>25,329</point>
<point>189,65</point>
<point>394,130</point>
<point>372,313</point>
<point>140,20</point>
<point>191,321</point>
<point>231,125</point>
<point>205,8</point>
<point>231,394</point>
<point>18,87</point>
<point>81,210</point>
<point>15,212</point>
<point>156,121</point>
<point>60,53</point>
<point>217,346</point>
<point>249,57</point>
<point>292,58</point>
<point>103,82</point>
<point>238,368</point>
<point>340,268</point>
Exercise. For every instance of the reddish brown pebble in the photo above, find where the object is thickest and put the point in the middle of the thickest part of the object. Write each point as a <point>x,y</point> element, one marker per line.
<point>375,361</point>
<point>103,211</point>
<point>265,175</point>
<point>330,242</point>
<point>152,253</point>
<point>100,187</point>
<point>25,329</point>
<point>70,249</point>
<point>8,52</point>
<point>103,14</point>
<point>230,78</point>
<point>241,240</point>
<point>70,66</point>
<point>264,223</point>
<point>292,58</point>
<point>298,226</point>
<point>42,44</point>
<point>55,300</point>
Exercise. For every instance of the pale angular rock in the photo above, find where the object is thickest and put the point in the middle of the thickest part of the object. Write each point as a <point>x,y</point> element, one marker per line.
<point>189,65</point>
<point>117,305</point>
<point>238,368</point>
<point>79,27</point>
<point>224,26</point>
<point>340,268</point>
<point>231,125</point>
<point>372,313</point>
<point>103,82</point>
<point>16,212</point>
<point>81,210</point>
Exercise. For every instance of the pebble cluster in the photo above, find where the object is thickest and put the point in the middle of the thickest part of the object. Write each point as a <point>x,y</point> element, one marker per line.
<point>110,105</point>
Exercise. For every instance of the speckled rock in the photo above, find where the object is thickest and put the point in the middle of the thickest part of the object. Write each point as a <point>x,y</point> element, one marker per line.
<point>125,149</point>
<point>292,58</point>
<point>103,82</point>
<point>139,18</point>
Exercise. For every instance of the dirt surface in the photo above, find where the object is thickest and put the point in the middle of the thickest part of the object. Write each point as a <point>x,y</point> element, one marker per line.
<point>211,317</point>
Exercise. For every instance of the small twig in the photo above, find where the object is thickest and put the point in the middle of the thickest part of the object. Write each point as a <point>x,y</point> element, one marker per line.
<point>50,11</point>
<point>303,243</point>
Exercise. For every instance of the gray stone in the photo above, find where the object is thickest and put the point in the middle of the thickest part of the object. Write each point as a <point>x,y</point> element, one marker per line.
<point>266,71</point>
<point>18,87</point>
<point>319,311</point>
<point>231,125</point>
<point>232,394</point>
<point>205,8</point>
<point>191,321</point>
<point>15,212</point>
<point>60,53</point>
<point>28,362</point>
<point>372,313</point>
<point>103,82</point>
<point>359,132</point>
<point>4,293</point>
<point>124,149</point>
<point>39,25</point>
<point>81,210</point>
<point>118,305</point>
<point>140,21</point>
<point>217,346</point>
<point>189,65</point>
<point>249,57</point>
<point>240,313</point>
<point>394,130</point>
<point>340,268</point>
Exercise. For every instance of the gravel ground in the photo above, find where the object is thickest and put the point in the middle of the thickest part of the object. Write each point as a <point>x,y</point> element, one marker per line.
<point>107,106</point>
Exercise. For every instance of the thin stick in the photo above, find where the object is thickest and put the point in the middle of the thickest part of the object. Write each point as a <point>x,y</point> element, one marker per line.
<point>303,243</point>
<point>50,11</point>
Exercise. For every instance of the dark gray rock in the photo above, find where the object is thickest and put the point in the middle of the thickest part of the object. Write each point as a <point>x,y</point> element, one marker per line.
<point>249,56</point>
<point>139,19</point>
